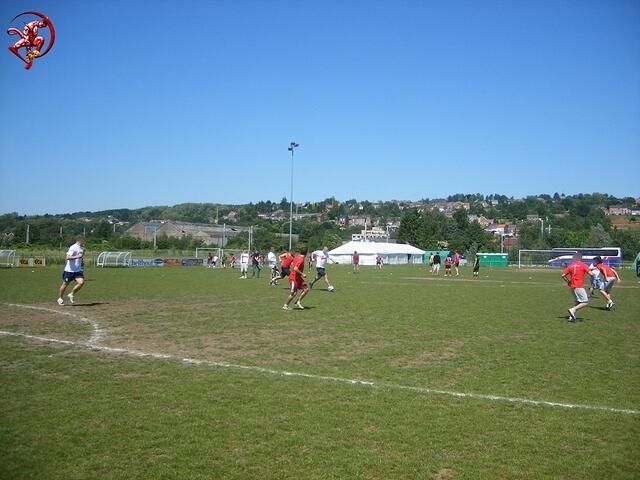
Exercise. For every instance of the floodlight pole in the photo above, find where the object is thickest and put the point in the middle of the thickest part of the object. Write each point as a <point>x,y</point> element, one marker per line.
<point>291,148</point>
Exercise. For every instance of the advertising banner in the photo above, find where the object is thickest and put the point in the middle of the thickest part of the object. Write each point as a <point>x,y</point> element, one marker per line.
<point>146,262</point>
<point>191,262</point>
<point>171,262</point>
<point>31,262</point>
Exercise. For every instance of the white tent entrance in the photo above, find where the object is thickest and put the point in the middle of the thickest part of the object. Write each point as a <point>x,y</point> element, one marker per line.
<point>391,253</point>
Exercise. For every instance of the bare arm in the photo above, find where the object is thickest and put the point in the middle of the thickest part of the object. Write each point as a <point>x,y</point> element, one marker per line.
<point>297,270</point>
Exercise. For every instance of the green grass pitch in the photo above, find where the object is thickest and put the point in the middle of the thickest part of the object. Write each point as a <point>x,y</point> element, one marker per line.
<point>69,411</point>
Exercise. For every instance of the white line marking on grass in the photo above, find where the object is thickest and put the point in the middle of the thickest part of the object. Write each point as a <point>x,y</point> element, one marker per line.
<point>92,345</point>
<point>96,332</point>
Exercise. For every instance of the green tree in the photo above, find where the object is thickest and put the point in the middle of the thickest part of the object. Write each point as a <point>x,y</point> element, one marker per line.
<point>412,228</point>
<point>598,237</point>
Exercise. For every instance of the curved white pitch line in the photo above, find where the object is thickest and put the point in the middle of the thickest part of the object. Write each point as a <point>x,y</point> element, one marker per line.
<point>97,334</point>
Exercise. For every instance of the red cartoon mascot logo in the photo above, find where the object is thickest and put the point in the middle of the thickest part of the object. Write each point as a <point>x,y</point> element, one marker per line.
<point>30,40</point>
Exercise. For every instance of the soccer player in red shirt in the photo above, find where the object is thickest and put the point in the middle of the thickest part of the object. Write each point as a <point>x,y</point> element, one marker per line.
<point>610,276</point>
<point>296,281</point>
<point>574,276</point>
<point>355,259</point>
<point>285,263</point>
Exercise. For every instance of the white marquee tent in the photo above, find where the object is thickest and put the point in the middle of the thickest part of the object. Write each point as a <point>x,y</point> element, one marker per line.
<point>391,253</point>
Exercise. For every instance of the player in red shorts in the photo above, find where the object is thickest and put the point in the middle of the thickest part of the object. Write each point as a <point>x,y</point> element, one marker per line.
<point>296,281</point>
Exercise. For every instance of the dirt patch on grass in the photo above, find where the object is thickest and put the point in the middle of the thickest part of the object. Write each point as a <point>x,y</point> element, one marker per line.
<point>445,474</point>
<point>28,321</point>
<point>444,353</point>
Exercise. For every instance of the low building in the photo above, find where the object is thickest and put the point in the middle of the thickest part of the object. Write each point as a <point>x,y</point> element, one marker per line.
<point>618,210</point>
<point>375,234</point>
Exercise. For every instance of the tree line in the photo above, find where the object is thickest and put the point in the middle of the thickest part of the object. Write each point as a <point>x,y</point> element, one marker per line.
<point>575,220</point>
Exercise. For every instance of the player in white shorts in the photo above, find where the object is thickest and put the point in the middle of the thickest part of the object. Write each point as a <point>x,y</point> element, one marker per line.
<point>244,264</point>
<point>322,257</point>
<point>272,261</point>
<point>73,270</point>
<point>596,281</point>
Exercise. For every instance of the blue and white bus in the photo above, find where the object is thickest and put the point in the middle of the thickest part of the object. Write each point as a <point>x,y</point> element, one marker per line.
<point>560,257</point>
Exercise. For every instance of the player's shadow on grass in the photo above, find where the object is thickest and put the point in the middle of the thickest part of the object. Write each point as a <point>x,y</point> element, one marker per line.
<point>566,318</point>
<point>599,308</point>
<point>90,304</point>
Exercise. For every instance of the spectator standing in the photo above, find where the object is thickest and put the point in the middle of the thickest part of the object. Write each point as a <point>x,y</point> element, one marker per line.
<point>436,264</point>
<point>255,263</point>
<point>476,265</point>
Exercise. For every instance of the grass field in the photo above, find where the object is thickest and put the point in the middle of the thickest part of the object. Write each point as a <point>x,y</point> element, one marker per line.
<point>394,375</point>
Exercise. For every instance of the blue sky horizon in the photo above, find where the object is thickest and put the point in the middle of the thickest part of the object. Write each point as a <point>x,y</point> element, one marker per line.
<point>166,102</point>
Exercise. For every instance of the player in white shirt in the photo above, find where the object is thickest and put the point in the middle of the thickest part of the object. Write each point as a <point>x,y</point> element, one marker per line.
<point>322,257</point>
<point>596,281</point>
<point>73,270</point>
<point>244,264</point>
<point>272,261</point>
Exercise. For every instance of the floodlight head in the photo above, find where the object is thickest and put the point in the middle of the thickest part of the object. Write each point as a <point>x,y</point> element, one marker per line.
<point>290,149</point>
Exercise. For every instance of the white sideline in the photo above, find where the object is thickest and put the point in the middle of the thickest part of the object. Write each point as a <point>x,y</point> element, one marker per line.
<point>97,335</point>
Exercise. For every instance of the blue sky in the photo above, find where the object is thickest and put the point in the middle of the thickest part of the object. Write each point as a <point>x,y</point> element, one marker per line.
<point>163,102</point>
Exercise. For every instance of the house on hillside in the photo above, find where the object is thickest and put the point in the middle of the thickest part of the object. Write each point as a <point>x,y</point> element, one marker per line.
<point>618,210</point>
<point>482,220</point>
<point>375,234</point>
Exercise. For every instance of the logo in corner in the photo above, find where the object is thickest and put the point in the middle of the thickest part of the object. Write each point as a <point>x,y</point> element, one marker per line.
<point>29,38</point>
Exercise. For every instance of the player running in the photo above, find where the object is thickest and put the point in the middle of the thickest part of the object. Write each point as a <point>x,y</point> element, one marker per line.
<point>610,277</point>
<point>285,263</point>
<point>297,286</point>
<point>322,256</point>
<point>596,281</point>
<point>73,270</point>
<point>574,276</point>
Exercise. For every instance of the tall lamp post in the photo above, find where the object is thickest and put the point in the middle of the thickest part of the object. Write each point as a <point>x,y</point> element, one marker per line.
<point>292,147</point>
